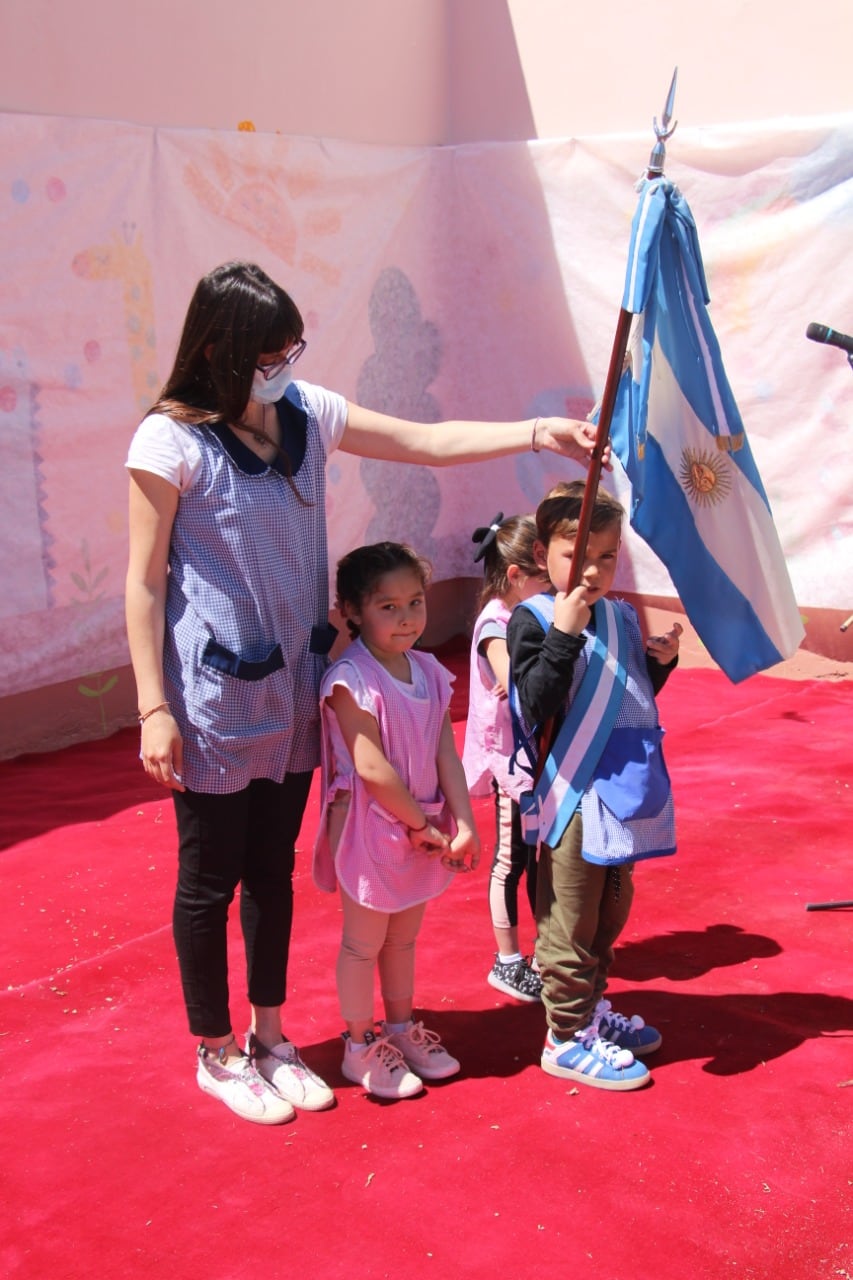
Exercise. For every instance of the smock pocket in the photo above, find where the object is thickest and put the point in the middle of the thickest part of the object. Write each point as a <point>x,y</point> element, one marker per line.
<point>235,697</point>
<point>631,776</point>
<point>387,839</point>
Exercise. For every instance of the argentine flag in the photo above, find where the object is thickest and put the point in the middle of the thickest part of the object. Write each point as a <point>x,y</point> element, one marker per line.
<point>697,497</point>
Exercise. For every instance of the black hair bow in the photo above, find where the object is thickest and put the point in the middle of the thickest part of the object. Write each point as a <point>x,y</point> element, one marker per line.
<point>486,536</point>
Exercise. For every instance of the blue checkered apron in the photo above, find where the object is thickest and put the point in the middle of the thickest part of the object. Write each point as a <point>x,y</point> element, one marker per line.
<point>627,811</point>
<point>247,604</point>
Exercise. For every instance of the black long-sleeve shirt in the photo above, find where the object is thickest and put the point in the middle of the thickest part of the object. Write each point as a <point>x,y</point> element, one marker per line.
<point>543,663</point>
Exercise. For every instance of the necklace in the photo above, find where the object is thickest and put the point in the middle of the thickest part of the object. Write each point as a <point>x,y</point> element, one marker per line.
<point>263,439</point>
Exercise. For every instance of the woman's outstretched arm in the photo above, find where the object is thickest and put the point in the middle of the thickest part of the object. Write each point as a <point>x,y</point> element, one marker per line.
<point>441,444</point>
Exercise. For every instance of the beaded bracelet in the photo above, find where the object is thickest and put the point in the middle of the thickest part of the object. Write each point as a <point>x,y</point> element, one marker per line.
<point>142,716</point>
<point>533,437</point>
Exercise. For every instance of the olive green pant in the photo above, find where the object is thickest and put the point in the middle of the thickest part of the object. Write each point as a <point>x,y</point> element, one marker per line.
<point>581,909</point>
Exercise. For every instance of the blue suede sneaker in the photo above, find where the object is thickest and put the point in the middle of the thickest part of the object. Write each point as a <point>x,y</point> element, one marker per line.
<point>588,1059</point>
<point>625,1033</point>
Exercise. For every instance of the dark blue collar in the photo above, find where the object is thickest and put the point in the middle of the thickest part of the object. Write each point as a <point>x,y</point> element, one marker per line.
<point>293,421</point>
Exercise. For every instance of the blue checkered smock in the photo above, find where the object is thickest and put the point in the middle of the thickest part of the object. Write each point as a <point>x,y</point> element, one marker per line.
<point>627,811</point>
<point>247,608</point>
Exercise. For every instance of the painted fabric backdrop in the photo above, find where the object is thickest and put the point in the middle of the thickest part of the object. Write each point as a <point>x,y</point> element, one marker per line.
<point>480,281</point>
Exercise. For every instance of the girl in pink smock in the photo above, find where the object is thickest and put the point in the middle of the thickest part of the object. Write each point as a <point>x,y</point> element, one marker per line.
<point>397,821</point>
<point>510,575</point>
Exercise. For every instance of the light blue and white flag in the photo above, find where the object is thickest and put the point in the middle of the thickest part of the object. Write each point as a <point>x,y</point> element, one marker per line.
<point>697,497</point>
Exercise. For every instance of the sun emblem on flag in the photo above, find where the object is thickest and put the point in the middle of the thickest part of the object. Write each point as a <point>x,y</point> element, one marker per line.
<point>705,476</point>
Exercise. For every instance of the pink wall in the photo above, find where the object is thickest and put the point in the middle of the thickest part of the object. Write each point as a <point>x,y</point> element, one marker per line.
<point>419,74</point>
<point>424,72</point>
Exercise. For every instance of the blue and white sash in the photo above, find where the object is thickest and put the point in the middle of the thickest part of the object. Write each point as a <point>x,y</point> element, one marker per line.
<point>583,735</point>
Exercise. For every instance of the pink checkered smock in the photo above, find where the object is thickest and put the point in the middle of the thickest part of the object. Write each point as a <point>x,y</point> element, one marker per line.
<point>489,748</point>
<point>374,861</point>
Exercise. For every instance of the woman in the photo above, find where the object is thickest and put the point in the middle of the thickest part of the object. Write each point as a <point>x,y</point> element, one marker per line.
<point>227,616</point>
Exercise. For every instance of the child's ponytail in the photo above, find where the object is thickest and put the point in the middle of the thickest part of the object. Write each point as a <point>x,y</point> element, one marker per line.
<point>504,543</point>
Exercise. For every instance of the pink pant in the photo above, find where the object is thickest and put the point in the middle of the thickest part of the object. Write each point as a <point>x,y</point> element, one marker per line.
<point>371,940</point>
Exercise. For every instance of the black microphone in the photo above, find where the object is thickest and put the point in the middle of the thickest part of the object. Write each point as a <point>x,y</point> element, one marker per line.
<point>823,333</point>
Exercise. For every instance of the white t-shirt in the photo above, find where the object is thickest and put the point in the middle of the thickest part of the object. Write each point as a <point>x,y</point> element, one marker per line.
<point>170,449</point>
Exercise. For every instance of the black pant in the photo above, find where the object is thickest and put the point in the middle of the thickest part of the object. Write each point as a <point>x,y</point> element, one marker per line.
<point>249,838</point>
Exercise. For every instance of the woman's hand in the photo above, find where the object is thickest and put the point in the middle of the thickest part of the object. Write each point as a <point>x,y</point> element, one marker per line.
<point>571,438</point>
<point>163,750</point>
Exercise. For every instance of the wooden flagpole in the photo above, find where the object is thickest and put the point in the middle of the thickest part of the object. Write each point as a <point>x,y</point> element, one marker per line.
<point>663,131</point>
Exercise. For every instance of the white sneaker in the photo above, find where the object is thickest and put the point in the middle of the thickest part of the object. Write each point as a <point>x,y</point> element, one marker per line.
<point>423,1052</point>
<point>238,1085</point>
<point>380,1068</point>
<point>283,1068</point>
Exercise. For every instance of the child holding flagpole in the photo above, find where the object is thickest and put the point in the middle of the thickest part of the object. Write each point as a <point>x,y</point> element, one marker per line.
<point>604,801</point>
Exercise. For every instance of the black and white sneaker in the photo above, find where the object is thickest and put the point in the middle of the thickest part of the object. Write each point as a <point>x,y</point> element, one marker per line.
<point>517,979</point>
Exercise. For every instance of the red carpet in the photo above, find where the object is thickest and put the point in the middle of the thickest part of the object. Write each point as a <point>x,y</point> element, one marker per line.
<point>736,1161</point>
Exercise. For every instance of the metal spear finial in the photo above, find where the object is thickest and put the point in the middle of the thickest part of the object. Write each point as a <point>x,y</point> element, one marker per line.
<point>663,131</point>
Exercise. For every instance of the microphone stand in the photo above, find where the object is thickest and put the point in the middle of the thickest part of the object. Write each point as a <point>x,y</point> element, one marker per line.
<point>844,903</point>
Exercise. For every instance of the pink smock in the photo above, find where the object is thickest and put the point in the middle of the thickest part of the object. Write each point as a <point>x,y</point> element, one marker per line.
<point>488,748</point>
<point>360,845</point>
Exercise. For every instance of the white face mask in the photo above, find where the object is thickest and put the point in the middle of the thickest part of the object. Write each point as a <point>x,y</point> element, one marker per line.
<point>267,392</point>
